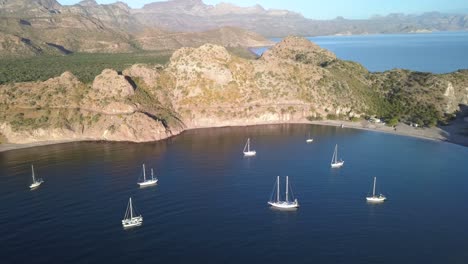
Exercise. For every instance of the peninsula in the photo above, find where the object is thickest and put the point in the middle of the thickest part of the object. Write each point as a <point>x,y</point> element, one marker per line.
<point>294,81</point>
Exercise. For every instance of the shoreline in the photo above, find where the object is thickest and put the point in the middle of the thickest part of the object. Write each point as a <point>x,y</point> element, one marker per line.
<point>434,133</point>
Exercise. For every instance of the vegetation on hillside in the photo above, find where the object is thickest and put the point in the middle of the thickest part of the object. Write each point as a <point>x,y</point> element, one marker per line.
<point>85,66</point>
<point>411,97</point>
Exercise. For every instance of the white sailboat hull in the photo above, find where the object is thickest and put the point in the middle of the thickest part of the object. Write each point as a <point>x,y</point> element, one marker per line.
<point>132,222</point>
<point>309,140</point>
<point>376,199</point>
<point>36,184</point>
<point>148,183</point>
<point>284,205</point>
<point>250,153</point>
<point>337,164</point>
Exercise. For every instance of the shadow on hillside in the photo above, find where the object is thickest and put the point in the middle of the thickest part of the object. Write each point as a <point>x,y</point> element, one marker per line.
<point>457,130</point>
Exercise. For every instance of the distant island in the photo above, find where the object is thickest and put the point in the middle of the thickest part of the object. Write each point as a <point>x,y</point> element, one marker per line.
<point>209,86</point>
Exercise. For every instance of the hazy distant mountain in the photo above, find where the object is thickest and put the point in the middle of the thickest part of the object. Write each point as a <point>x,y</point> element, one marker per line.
<point>31,27</point>
<point>194,15</point>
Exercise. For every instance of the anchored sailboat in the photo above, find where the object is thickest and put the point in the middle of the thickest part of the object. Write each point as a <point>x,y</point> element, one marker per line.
<point>375,198</point>
<point>247,151</point>
<point>286,204</point>
<point>309,139</point>
<point>147,182</point>
<point>130,218</point>
<point>35,182</point>
<point>334,162</point>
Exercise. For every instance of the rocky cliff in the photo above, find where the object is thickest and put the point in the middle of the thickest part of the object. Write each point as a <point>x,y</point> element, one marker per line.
<point>208,86</point>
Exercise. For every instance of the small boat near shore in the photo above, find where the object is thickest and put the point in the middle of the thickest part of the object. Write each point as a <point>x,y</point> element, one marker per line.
<point>130,218</point>
<point>247,151</point>
<point>375,198</point>
<point>309,139</point>
<point>287,203</point>
<point>147,182</point>
<point>334,162</point>
<point>36,182</point>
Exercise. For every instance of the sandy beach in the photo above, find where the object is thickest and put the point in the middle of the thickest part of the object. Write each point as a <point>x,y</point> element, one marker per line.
<point>9,146</point>
<point>456,133</point>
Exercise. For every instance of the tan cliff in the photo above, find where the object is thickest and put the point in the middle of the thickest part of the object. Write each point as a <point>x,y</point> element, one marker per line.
<point>63,108</point>
<point>295,81</point>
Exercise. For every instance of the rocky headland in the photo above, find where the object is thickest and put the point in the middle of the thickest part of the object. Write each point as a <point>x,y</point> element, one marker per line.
<point>294,81</point>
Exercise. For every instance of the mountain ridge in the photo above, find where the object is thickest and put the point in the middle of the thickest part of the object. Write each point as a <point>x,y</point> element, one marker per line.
<point>196,16</point>
<point>29,28</point>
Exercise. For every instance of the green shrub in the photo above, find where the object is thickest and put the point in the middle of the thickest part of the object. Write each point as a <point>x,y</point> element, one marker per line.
<point>392,121</point>
<point>85,66</point>
<point>314,118</point>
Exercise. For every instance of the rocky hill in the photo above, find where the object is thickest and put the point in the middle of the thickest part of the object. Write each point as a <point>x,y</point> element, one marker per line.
<point>208,86</point>
<point>36,27</point>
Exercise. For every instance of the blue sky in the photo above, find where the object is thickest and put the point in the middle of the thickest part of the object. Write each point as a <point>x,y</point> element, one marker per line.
<point>326,9</point>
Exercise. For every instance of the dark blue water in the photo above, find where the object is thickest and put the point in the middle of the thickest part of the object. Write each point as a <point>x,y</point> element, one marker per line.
<point>210,205</point>
<point>439,52</point>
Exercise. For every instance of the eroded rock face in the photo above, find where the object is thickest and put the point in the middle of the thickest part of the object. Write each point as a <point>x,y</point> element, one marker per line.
<point>300,50</point>
<point>110,83</point>
<point>65,79</point>
<point>136,127</point>
<point>208,61</point>
<point>64,109</point>
<point>149,74</point>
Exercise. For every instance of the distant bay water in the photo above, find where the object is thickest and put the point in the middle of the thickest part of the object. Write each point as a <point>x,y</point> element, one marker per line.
<point>439,52</point>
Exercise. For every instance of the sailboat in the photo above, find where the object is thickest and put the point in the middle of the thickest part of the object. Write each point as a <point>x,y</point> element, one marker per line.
<point>334,162</point>
<point>286,204</point>
<point>130,219</point>
<point>375,198</point>
<point>35,182</point>
<point>247,151</point>
<point>147,182</point>
<point>309,139</point>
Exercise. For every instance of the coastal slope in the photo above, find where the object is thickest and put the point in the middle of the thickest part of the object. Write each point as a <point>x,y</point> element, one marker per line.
<point>294,81</point>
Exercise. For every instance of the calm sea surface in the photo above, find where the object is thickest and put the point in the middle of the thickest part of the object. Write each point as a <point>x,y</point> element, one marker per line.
<point>210,205</point>
<point>439,52</point>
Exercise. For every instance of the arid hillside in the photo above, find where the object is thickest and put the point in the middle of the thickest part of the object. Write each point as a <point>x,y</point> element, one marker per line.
<point>207,86</point>
<point>35,27</point>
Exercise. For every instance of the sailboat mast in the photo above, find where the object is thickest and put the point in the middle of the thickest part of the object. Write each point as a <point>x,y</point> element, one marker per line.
<point>144,173</point>
<point>152,174</point>
<point>131,208</point>
<point>248,145</point>
<point>278,189</point>
<point>373,190</point>
<point>32,169</point>
<point>336,153</point>
<point>333,160</point>
<point>287,188</point>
